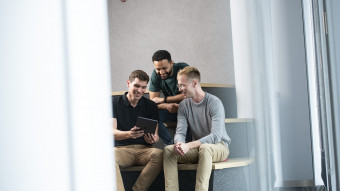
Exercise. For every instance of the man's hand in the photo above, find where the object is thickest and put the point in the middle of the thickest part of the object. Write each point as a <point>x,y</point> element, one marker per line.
<point>136,133</point>
<point>177,149</point>
<point>181,148</point>
<point>172,107</point>
<point>158,100</point>
<point>184,148</point>
<point>151,138</point>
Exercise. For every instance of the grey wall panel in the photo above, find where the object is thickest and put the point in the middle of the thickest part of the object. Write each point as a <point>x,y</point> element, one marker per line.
<point>197,32</point>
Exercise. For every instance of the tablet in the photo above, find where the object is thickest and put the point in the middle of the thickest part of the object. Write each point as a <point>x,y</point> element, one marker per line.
<point>146,124</point>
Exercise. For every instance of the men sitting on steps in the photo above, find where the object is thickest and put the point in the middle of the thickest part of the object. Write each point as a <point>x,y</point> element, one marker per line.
<point>164,78</point>
<point>132,146</point>
<point>204,114</point>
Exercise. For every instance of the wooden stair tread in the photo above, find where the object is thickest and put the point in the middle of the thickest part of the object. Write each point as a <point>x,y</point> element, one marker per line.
<point>215,85</point>
<point>204,85</point>
<point>227,120</point>
<point>231,163</point>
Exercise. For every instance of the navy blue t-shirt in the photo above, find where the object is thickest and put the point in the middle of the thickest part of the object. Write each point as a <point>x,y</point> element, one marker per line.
<point>126,116</point>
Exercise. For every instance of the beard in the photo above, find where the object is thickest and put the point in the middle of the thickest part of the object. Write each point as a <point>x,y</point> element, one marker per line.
<point>166,75</point>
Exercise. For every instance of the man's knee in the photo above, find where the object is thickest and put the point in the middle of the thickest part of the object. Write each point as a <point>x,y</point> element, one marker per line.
<point>157,154</point>
<point>118,160</point>
<point>205,149</point>
<point>168,150</point>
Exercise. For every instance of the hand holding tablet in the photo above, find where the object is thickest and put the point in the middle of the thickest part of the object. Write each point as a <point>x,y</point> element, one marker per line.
<point>146,124</point>
<point>136,132</point>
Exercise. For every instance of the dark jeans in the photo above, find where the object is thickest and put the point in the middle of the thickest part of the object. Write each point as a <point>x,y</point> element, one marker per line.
<point>166,116</point>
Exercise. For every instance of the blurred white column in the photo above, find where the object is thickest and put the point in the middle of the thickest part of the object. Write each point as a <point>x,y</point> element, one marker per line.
<point>241,31</point>
<point>256,98</point>
<point>55,108</point>
<point>270,66</point>
<point>90,94</point>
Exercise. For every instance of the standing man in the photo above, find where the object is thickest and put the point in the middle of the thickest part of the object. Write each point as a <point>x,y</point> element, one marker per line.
<point>132,146</point>
<point>164,78</point>
<point>204,114</point>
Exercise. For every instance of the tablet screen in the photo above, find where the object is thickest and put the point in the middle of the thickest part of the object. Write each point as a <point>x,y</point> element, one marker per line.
<point>148,125</point>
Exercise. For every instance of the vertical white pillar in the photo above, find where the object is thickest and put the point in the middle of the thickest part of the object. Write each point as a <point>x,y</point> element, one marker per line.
<point>290,69</point>
<point>241,31</point>
<point>34,142</point>
<point>55,109</point>
<point>90,94</point>
<point>256,98</point>
<point>269,51</point>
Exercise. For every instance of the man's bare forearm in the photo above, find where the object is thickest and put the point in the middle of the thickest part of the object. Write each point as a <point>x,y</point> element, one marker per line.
<point>121,135</point>
<point>175,99</point>
<point>162,106</point>
<point>194,144</point>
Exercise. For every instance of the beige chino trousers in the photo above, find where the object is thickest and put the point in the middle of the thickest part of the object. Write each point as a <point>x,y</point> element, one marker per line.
<point>204,156</point>
<point>131,155</point>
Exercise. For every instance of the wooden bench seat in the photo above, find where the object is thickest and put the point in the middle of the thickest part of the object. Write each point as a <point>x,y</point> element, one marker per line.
<point>227,120</point>
<point>233,162</point>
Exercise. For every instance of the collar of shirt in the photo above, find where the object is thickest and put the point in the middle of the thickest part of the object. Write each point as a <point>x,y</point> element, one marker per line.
<point>127,103</point>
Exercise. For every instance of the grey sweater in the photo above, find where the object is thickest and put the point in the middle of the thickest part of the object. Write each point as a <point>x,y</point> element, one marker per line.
<point>205,119</point>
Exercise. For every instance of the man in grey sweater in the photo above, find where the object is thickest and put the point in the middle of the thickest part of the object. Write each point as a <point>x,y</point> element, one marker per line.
<point>204,114</point>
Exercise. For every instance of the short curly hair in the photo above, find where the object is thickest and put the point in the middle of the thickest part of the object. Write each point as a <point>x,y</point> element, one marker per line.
<point>190,72</point>
<point>140,74</point>
<point>161,55</point>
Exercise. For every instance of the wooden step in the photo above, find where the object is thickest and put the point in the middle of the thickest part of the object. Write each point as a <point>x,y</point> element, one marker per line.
<point>231,163</point>
<point>203,85</point>
<point>228,120</point>
<point>214,85</point>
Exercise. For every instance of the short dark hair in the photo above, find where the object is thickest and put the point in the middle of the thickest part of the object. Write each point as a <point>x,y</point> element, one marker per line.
<point>161,55</point>
<point>140,74</point>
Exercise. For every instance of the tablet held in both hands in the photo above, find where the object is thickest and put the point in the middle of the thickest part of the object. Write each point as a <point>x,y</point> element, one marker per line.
<point>146,124</point>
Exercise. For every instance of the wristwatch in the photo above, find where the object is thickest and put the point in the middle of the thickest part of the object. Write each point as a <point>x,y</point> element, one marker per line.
<point>165,97</point>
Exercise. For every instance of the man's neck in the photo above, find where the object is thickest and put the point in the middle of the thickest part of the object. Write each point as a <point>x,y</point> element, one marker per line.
<point>132,101</point>
<point>172,70</point>
<point>199,96</point>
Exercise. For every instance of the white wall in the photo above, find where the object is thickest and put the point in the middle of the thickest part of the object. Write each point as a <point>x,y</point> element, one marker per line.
<point>34,142</point>
<point>197,32</point>
<point>291,86</point>
<point>243,60</point>
<point>55,114</point>
<point>271,77</point>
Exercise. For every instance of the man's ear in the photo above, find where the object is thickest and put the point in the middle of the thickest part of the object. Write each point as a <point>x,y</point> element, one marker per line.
<point>128,83</point>
<point>194,82</point>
